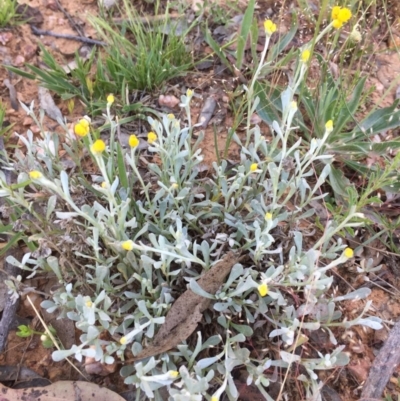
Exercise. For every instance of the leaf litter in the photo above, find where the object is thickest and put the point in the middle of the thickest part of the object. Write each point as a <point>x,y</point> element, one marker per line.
<point>187,311</point>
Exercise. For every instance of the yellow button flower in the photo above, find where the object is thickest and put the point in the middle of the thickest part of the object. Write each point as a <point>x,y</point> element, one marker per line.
<point>98,147</point>
<point>110,99</point>
<point>329,125</point>
<point>348,253</point>
<point>263,289</point>
<point>305,55</point>
<point>269,27</point>
<point>340,15</point>
<point>82,127</point>
<point>123,340</point>
<point>35,175</point>
<point>268,216</point>
<point>127,245</point>
<point>214,398</point>
<point>171,116</point>
<point>335,12</point>
<point>253,167</point>
<point>344,15</point>
<point>151,137</point>
<point>189,93</point>
<point>337,24</point>
<point>133,141</point>
<point>173,373</point>
<point>89,303</point>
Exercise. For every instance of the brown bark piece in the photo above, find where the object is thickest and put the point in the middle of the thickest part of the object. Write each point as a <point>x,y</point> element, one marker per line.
<point>383,366</point>
<point>186,312</point>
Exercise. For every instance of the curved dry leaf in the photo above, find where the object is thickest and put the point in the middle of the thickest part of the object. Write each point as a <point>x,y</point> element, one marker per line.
<point>186,312</point>
<point>62,390</point>
<point>207,111</point>
<point>48,105</point>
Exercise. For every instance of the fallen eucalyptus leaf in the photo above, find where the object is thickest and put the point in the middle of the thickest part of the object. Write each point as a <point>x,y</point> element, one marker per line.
<point>48,105</point>
<point>186,312</point>
<point>62,390</point>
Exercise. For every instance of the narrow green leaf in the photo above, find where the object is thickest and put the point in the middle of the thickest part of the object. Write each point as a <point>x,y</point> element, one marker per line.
<point>283,42</point>
<point>350,108</point>
<point>267,107</point>
<point>19,72</point>
<point>123,177</point>
<point>217,50</point>
<point>13,240</point>
<point>244,33</point>
<point>339,182</point>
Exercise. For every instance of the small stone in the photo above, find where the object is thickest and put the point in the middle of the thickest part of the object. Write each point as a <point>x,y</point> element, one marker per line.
<point>19,61</point>
<point>51,4</point>
<point>29,51</point>
<point>4,51</point>
<point>5,37</point>
<point>168,101</point>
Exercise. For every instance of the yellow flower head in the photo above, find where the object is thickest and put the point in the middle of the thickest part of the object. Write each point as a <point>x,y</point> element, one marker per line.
<point>127,245</point>
<point>89,303</point>
<point>98,147</point>
<point>337,24</point>
<point>35,175</point>
<point>214,398</point>
<point>82,127</point>
<point>189,93</point>
<point>104,184</point>
<point>293,105</point>
<point>335,12</point>
<point>84,122</point>
<point>268,216</point>
<point>340,15</point>
<point>173,373</point>
<point>329,125</point>
<point>175,185</point>
<point>269,27</point>
<point>253,167</point>
<point>151,137</point>
<point>263,289</point>
<point>123,340</point>
<point>133,141</point>
<point>305,55</point>
<point>344,15</point>
<point>170,116</point>
<point>110,99</point>
<point>348,253</point>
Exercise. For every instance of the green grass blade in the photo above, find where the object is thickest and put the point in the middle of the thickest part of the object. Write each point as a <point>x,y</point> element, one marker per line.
<point>123,177</point>
<point>244,33</point>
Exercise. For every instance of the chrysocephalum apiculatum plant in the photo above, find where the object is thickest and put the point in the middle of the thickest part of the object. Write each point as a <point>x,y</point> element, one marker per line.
<point>123,244</point>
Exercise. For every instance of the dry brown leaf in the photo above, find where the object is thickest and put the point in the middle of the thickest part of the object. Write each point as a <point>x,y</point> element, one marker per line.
<point>62,390</point>
<point>48,105</point>
<point>207,111</point>
<point>186,312</point>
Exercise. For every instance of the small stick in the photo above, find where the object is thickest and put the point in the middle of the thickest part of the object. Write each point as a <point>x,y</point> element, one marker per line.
<point>70,19</point>
<point>50,334</point>
<point>383,366</point>
<point>38,32</point>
